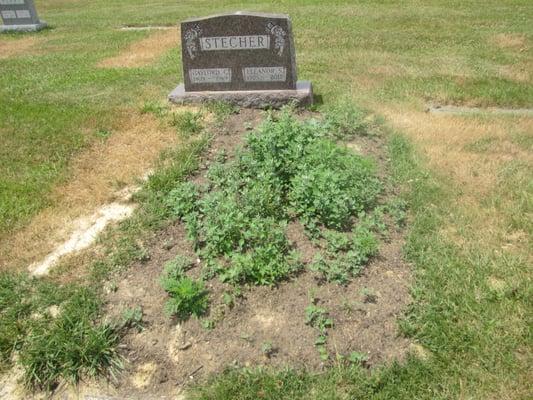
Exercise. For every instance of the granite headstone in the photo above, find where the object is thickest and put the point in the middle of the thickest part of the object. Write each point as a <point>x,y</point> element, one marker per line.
<point>19,15</point>
<point>245,58</point>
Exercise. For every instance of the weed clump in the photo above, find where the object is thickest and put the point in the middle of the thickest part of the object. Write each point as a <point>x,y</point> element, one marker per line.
<point>54,347</point>
<point>187,296</point>
<point>344,120</point>
<point>332,185</point>
<point>221,110</point>
<point>287,170</point>
<point>319,319</point>
<point>188,123</point>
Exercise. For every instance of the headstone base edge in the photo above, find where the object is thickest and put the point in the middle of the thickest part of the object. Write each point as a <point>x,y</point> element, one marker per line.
<point>23,28</point>
<point>301,96</point>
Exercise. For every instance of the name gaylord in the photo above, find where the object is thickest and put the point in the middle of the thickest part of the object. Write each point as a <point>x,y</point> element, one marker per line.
<point>235,42</point>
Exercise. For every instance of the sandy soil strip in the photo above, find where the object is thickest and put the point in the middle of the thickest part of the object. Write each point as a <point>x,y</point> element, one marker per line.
<point>85,234</point>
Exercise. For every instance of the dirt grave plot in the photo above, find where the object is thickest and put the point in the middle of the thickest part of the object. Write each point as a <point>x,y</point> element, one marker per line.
<point>264,326</point>
<point>144,52</point>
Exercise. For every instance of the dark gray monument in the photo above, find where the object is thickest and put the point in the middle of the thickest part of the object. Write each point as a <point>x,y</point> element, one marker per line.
<point>19,15</point>
<point>244,58</point>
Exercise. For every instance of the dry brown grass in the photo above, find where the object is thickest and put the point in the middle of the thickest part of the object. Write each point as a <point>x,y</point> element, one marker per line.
<point>96,177</point>
<point>446,65</point>
<point>509,41</point>
<point>448,144</point>
<point>444,139</point>
<point>521,72</point>
<point>13,48</point>
<point>144,52</point>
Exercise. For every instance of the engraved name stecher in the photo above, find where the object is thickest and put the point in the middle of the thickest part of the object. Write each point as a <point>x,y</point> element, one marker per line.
<point>235,42</point>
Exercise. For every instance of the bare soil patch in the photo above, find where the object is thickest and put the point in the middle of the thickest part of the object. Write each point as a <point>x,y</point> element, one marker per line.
<point>97,177</point>
<point>144,52</point>
<point>13,48</point>
<point>166,355</point>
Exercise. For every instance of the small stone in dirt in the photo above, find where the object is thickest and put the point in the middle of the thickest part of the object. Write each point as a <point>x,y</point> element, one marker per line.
<point>168,244</point>
<point>110,287</point>
<point>185,346</point>
<point>354,147</point>
<point>163,378</point>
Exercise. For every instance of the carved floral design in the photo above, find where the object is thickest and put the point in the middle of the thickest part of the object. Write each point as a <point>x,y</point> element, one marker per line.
<point>191,41</point>
<point>279,37</point>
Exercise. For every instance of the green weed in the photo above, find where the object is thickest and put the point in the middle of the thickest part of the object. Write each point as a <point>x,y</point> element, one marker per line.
<point>132,318</point>
<point>187,296</point>
<point>188,123</point>
<point>357,358</point>
<point>319,319</point>
<point>344,120</point>
<point>103,133</point>
<point>346,254</point>
<point>155,108</point>
<point>332,186</point>
<point>221,110</point>
<point>267,348</point>
<point>397,209</point>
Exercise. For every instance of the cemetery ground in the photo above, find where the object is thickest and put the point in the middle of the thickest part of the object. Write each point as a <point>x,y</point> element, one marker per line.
<point>81,118</point>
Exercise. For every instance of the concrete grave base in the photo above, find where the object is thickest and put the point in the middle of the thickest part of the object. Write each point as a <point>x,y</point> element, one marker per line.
<point>23,28</point>
<point>302,96</point>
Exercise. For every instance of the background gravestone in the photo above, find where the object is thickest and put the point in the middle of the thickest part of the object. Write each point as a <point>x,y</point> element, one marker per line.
<point>19,15</point>
<point>245,58</point>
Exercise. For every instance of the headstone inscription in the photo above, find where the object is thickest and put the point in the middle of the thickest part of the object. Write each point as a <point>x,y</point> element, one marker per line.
<point>19,15</point>
<point>244,58</point>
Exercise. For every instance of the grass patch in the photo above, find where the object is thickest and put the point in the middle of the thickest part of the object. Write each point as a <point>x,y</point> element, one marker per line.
<point>428,54</point>
<point>187,122</point>
<point>54,332</point>
<point>221,110</point>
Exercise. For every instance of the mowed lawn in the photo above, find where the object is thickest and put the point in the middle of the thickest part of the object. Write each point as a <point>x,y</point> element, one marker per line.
<point>469,177</point>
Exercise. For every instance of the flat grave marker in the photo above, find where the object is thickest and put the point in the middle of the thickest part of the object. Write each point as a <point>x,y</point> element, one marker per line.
<point>19,15</point>
<point>245,58</point>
